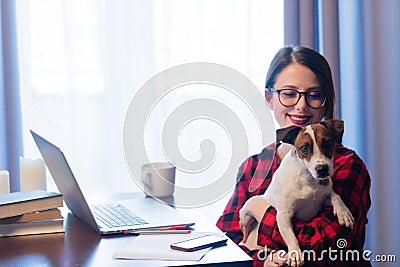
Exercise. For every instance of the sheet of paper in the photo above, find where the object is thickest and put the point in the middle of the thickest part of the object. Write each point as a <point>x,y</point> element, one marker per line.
<point>157,247</point>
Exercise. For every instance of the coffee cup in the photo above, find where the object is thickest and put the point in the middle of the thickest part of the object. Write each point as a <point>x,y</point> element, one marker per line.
<point>158,179</point>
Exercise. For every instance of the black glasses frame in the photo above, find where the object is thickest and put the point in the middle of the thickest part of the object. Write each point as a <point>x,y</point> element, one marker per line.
<point>306,94</point>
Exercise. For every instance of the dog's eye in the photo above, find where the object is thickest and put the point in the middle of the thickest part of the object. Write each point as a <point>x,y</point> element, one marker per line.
<point>305,149</point>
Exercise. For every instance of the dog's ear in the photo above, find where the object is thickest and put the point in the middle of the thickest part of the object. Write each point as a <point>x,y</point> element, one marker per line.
<point>336,127</point>
<point>288,134</point>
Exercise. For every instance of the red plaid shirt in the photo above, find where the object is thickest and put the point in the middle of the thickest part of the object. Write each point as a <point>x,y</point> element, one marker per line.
<point>350,180</point>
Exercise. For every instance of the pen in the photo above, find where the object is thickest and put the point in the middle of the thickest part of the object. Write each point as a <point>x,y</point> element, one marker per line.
<point>157,232</point>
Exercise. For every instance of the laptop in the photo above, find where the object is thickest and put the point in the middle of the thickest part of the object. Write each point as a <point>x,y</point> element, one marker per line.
<point>127,216</point>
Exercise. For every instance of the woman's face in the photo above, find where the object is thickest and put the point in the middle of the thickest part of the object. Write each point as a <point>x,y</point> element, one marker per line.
<point>302,79</point>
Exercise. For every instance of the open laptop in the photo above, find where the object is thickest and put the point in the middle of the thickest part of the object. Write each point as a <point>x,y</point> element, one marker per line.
<point>105,218</point>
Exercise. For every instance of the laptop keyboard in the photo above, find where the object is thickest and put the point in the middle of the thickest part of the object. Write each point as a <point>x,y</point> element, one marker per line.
<point>116,216</point>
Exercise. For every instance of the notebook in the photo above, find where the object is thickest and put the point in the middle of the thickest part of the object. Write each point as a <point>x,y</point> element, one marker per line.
<point>136,214</point>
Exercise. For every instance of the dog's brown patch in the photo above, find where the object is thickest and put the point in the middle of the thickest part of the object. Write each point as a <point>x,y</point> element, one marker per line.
<point>336,127</point>
<point>324,139</point>
<point>304,145</point>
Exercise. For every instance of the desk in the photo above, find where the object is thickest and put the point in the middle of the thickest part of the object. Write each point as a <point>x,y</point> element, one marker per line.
<point>81,246</point>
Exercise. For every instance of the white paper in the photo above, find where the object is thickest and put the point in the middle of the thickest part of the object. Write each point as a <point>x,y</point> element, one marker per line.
<point>157,247</point>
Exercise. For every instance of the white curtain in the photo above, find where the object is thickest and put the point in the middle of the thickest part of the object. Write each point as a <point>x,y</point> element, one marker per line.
<point>81,63</point>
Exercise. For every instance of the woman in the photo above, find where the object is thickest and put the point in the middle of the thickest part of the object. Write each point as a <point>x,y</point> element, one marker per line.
<point>305,77</point>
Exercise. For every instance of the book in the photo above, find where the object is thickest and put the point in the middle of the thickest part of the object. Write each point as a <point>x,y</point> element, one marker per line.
<point>32,228</point>
<point>19,203</point>
<point>34,216</point>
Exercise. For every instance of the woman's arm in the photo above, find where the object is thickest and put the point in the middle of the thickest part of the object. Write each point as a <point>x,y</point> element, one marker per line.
<point>229,220</point>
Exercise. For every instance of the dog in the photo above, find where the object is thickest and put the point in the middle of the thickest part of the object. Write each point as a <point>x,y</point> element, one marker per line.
<point>300,187</point>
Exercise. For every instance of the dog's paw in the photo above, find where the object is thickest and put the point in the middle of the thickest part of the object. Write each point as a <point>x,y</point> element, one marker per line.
<point>344,216</point>
<point>295,258</point>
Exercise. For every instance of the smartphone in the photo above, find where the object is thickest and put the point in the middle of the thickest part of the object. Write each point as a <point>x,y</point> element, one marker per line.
<point>200,242</point>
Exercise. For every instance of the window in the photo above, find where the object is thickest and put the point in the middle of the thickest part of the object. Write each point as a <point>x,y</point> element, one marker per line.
<point>81,63</point>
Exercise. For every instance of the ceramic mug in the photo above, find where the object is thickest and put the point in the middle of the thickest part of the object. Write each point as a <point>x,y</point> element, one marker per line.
<point>158,179</point>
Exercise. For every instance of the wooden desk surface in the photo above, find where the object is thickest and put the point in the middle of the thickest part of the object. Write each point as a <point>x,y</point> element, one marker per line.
<point>81,246</point>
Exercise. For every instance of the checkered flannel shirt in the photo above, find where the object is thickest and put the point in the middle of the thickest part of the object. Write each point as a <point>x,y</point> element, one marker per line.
<point>351,181</point>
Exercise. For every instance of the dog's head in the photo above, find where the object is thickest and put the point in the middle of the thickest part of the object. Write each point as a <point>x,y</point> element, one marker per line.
<point>315,144</point>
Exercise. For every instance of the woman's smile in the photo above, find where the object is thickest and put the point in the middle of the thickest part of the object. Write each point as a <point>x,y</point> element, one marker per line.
<point>299,120</point>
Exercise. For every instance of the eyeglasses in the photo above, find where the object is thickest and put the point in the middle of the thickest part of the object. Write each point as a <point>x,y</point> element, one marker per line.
<point>290,97</point>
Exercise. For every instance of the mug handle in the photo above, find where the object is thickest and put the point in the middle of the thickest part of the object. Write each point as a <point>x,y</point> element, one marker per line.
<point>146,180</point>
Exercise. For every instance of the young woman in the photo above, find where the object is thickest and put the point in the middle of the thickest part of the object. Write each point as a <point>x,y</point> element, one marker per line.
<point>299,91</point>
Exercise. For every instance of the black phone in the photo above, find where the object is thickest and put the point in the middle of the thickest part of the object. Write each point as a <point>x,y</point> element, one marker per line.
<point>200,242</point>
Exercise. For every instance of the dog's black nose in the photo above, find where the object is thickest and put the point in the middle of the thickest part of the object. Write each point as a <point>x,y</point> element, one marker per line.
<point>322,170</point>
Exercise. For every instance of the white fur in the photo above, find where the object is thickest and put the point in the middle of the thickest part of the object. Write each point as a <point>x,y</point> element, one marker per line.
<point>295,191</point>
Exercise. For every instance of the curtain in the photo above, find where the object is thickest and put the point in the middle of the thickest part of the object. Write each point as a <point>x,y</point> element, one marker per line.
<point>380,67</point>
<point>361,41</point>
<point>314,24</point>
<point>10,116</point>
<point>369,55</point>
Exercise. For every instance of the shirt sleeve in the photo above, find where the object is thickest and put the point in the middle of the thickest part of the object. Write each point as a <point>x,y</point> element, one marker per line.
<point>352,182</point>
<point>229,220</point>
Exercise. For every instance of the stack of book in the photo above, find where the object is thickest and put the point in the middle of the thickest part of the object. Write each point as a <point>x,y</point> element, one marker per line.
<point>30,212</point>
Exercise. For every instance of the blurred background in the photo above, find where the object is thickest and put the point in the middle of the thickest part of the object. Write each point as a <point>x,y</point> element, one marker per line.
<point>69,70</point>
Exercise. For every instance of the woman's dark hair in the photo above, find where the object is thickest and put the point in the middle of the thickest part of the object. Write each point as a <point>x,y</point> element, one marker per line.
<point>312,60</point>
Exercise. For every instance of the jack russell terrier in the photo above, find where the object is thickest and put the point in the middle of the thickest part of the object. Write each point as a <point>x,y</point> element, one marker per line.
<point>300,187</point>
